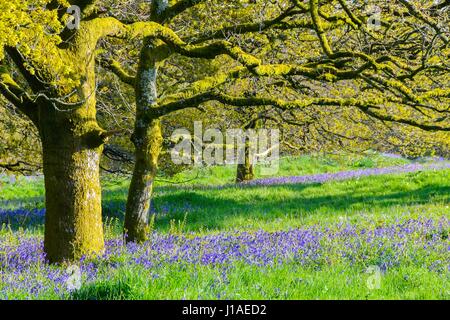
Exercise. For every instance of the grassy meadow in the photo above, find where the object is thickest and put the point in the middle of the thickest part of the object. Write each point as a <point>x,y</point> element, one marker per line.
<point>381,236</point>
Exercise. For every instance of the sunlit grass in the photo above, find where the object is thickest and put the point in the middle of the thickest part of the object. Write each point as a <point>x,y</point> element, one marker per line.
<point>197,209</point>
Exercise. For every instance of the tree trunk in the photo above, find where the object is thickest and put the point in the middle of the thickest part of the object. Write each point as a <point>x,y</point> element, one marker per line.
<point>72,145</point>
<point>148,142</point>
<point>245,170</point>
<point>147,137</point>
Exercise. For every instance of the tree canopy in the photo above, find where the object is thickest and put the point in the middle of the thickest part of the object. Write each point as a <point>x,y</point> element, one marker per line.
<point>346,70</point>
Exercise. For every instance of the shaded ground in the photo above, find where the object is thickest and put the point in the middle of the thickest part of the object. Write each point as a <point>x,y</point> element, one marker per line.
<point>315,240</point>
<point>270,204</point>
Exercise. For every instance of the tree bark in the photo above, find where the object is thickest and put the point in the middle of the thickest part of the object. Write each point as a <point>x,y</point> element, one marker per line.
<point>147,137</point>
<point>72,145</point>
<point>148,142</point>
<point>245,171</point>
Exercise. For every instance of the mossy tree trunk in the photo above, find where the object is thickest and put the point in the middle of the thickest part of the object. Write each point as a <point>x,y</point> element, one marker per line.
<point>245,171</point>
<point>72,145</point>
<point>147,139</point>
<point>147,136</point>
<point>148,142</point>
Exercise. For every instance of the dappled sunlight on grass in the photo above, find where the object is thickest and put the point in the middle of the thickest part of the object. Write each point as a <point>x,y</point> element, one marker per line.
<point>223,241</point>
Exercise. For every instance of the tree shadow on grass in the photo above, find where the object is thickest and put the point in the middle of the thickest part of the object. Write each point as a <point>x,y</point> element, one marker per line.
<point>214,208</point>
<point>116,289</point>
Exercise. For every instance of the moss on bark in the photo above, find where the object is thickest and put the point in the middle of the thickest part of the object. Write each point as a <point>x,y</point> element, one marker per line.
<point>73,222</point>
<point>148,142</point>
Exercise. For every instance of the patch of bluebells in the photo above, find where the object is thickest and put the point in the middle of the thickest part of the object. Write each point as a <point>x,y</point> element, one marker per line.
<point>420,242</point>
<point>351,174</point>
<point>22,217</point>
<point>165,209</point>
<point>26,218</point>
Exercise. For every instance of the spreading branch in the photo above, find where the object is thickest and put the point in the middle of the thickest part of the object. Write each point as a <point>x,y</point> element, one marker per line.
<point>18,97</point>
<point>115,67</point>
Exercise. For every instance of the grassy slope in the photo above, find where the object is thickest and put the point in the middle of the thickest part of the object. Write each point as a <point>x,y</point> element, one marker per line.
<point>285,282</point>
<point>32,191</point>
<point>369,200</point>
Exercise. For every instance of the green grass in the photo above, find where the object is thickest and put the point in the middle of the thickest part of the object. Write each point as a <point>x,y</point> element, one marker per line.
<point>375,200</point>
<point>272,207</point>
<point>290,166</point>
<point>32,191</point>
<point>288,281</point>
<point>289,206</point>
